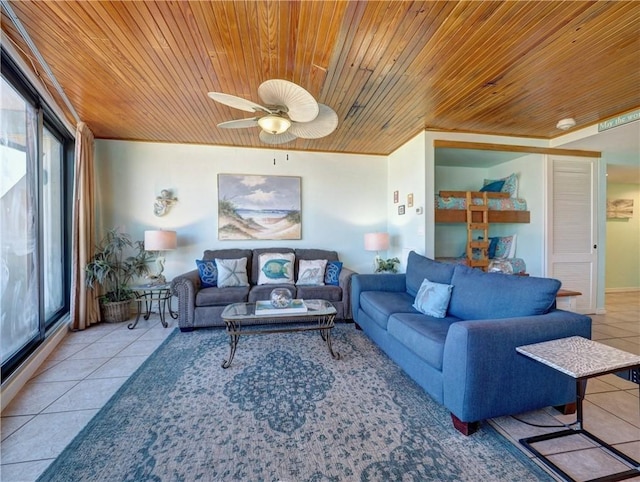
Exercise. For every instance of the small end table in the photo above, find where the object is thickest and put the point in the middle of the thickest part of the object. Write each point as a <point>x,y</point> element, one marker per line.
<point>581,359</point>
<point>147,294</point>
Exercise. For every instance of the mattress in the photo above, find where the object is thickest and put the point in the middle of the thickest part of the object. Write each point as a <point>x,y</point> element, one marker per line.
<point>517,264</point>
<point>502,204</point>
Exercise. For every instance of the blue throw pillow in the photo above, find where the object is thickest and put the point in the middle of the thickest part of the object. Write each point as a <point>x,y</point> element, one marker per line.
<point>208,272</point>
<point>433,299</point>
<point>510,184</point>
<point>493,245</point>
<point>495,186</point>
<point>332,274</point>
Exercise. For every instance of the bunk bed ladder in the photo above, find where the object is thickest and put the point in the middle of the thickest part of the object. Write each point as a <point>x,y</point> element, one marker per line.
<point>482,261</point>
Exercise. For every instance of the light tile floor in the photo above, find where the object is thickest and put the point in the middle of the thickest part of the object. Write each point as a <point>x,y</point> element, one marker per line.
<point>88,367</point>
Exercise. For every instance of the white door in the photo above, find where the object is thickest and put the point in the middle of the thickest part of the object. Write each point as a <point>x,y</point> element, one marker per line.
<point>572,244</point>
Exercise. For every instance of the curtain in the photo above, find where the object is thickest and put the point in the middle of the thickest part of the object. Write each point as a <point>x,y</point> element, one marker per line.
<point>85,310</point>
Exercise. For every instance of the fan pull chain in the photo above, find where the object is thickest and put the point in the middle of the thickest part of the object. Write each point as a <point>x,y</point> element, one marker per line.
<point>274,159</point>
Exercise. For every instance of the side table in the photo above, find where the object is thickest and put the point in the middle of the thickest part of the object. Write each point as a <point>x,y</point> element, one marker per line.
<point>147,294</point>
<point>581,359</point>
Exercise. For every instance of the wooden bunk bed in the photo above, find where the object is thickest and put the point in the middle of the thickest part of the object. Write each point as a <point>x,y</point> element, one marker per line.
<point>477,213</point>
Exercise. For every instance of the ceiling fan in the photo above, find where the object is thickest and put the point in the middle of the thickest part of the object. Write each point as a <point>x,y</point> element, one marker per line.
<point>289,112</point>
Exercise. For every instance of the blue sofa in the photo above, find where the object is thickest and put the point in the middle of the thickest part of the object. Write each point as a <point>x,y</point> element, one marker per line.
<point>467,360</point>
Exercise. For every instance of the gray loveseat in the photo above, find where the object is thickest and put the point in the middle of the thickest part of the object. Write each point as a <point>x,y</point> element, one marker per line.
<point>201,307</point>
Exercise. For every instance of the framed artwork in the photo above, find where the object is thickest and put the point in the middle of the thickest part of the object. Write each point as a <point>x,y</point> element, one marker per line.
<point>410,200</point>
<point>396,197</point>
<point>259,207</point>
<point>401,209</point>
<point>619,208</point>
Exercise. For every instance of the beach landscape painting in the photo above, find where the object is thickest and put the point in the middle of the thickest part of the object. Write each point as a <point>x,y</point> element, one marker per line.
<point>619,208</point>
<point>258,207</point>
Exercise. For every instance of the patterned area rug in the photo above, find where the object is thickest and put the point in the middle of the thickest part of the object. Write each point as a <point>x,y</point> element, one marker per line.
<point>284,411</point>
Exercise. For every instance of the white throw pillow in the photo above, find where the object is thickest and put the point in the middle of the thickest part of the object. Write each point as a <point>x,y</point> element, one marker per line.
<point>232,272</point>
<point>275,268</point>
<point>433,299</point>
<point>311,272</point>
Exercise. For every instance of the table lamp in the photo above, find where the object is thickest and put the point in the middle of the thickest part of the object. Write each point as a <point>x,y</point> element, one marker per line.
<point>376,242</point>
<point>159,240</point>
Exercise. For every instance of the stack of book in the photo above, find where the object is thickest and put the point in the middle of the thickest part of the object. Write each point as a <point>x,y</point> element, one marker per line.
<point>266,308</point>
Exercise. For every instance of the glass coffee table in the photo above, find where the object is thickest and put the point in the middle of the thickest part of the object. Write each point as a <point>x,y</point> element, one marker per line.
<point>241,319</point>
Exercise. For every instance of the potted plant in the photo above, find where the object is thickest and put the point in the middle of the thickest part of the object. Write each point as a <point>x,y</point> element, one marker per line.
<point>387,265</point>
<point>112,267</point>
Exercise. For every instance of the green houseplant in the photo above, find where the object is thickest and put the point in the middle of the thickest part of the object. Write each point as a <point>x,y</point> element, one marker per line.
<point>116,261</point>
<point>386,265</point>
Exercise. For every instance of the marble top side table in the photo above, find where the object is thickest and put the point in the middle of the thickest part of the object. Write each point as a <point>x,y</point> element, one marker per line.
<point>581,359</point>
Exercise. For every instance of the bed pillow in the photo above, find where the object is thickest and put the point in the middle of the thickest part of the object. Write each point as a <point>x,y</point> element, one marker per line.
<point>510,184</point>
<point>332,275</point>
<point>311,272</point>
<point>232,272</point>
<point>208,272</point>
<point>506,246</point>
<point>275,268</point>
<point>495,186</point>
<point>433,298</point>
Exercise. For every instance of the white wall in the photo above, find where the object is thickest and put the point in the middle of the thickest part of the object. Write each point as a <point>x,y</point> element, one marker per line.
<point>341,195</point>
<point>623,242</point>
<point>407,176</point>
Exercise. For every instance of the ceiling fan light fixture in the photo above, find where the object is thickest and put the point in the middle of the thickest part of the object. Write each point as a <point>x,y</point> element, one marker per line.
<point>274,124</point>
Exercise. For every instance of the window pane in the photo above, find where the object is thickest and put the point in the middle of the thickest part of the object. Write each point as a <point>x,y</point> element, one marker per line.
<point>52,224</point>
<point>18,217</point>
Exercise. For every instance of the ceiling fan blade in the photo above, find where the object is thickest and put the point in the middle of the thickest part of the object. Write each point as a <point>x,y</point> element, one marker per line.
<point>283,138</point>
<point>321,126</point>
<point>240,123</point>
<point>301,105</point>
<point>237,102</point>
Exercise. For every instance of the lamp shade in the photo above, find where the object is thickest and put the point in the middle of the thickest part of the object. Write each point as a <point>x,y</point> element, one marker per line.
<point>160,240</point>
<point>376,241</point>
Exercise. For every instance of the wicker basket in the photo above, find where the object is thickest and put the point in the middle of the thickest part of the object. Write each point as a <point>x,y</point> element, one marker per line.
<point>116,311</point>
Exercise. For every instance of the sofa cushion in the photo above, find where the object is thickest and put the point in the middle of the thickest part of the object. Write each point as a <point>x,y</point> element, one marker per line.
<point>208,272</point>
<point>263,292</point>
<point>478,295</point>
<point>232,272</point>
<point>275,268</point>
<point>325,292</point>
<point>332,274</point>
<point>311,272</point>
<point>228,254</point>
<point>423,335</point>
<point>380,305</point>
<point>433,299</point>
<point>222,296</point>
<point>420,267</point>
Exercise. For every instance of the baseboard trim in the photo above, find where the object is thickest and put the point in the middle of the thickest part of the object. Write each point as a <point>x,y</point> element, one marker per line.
<point>621,290</point>
<point>19,378</point>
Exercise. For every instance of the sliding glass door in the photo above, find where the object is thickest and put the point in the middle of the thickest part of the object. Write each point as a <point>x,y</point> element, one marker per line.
<point>34,219</point>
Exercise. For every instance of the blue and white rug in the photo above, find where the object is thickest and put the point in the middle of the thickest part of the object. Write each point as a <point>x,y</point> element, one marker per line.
<point>284,411</point>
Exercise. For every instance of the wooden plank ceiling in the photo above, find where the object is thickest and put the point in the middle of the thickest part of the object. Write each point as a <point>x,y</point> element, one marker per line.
<point>141,70</point>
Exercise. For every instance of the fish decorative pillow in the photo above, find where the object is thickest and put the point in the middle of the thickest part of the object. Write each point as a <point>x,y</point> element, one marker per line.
<point>276,268</point>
